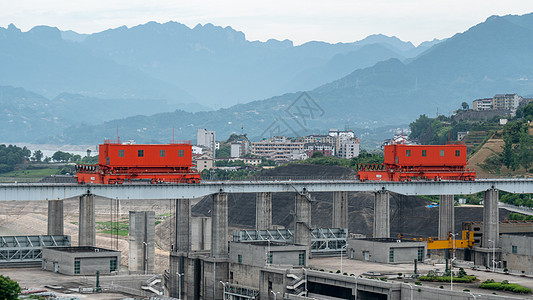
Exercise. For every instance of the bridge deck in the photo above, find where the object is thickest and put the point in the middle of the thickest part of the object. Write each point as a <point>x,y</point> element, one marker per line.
<point>34,191</point>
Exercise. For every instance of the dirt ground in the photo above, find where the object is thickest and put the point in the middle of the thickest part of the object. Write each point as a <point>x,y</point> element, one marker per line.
<point>492,146</point>
<point>30,218</point>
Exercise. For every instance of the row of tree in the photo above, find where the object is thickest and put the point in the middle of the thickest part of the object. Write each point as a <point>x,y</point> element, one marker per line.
<point>518,147</point>
<point>12,155</point>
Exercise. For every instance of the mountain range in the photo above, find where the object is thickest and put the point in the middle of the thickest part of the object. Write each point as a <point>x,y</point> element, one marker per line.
<point>379,81</point>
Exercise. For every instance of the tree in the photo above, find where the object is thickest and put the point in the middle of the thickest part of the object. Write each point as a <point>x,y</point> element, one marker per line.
<point>9,289</point>
<point>89,152</point>
<point>37,155</point>
<point>465,106</point>
<point>508,155</point>
<point>317,154</point>
<point>525,150</point>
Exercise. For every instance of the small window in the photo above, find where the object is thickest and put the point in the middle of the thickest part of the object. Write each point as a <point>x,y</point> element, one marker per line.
<point>76,266</point>
<point>441,152</point>
<point>515,249</point>
<point>180,153</point>
<point>239,258</point>
<point>420,254</point>
<point>424,153</point>
<point>112,264</point>
<point>161,153</point>
<point>407,153</point>
<point>120,153</point>
<point>107,160</point>
<point>301,259</point>
<point>140,153</point>
<point>391,255</point>
<point>270,258</point>
<point>457,153</point>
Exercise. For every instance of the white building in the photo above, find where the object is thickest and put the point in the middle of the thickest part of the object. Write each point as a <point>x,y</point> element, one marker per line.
<point>482,104</point>
<point>506,101</point>
<point>239,148</point>
<point>348,148</point>
<point>278,149</point>
<point>346,144</point>
<point>207,139</point>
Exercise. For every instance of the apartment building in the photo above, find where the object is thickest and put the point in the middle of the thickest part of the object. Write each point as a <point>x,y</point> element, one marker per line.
<point>482,104</point>
<point>207,138</point>
<point>279,149</point>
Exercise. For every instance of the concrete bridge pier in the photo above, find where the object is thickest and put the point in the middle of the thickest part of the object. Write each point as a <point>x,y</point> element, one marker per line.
<point>382,214</point>
<point>263,211</point>
<point>491,216</point>
<point>446,216</point>
<point>55,217</point>
<point>87,229</point>
<point>340,210</point>
<point>142,242</point>
<point>302,222</point>
<point>183,225</point>
<point>219,226</point>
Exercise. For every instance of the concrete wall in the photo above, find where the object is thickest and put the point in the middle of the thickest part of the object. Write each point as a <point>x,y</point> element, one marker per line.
<point>142,241</point>
<point>522,259</point>
<point>378,251</point>
<point>272,280</point>
<point>200,233</point>
<point>255,255</point>
<point>90,261</point>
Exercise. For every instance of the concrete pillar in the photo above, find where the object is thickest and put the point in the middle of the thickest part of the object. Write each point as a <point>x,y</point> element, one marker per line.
<point>263,211</point>
<point>340,210</point>
<point>219,226</point>
<point>142,242</point>
<point>491,218</point>
<point>87,229</point>
<point>55,217</point>
<point>302,223</point>
<point>446,216</point>
<point>183,225</point>
<point>382,214</point>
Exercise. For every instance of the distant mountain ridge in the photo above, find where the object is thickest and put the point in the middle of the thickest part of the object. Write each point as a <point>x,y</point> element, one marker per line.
<point>360,85</point>
<point>491,57</point>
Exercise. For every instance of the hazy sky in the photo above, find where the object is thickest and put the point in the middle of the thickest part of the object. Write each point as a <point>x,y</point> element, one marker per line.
<point>299,20</point>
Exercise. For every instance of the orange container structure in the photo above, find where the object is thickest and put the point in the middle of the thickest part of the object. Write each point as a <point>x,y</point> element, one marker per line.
<point>145,163</point>
<point>425,162</point>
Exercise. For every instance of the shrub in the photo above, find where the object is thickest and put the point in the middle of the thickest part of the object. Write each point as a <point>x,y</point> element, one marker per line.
<point>441,287</point>
<point>418,283</point>
<point>504,286</point>
<point>506,270</point>
<point>466,290</point>
<point>338,271</point>
<point>464,279</point>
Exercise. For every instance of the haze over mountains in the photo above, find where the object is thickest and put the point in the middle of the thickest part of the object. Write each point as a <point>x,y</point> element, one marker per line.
<point>155,68</point>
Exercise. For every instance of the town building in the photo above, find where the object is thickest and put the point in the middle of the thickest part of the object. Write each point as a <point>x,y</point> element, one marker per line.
<point>482,104</point>
<point>319,138</point>
<point>506,101</point>
<point>279,149</point>
<point>207,138</point>
<point>327,149</point>
<point>239,148</point>
<point>83,260</point>
<point>516,252</point>
<point>346,143</point>
<point>202,162</point>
